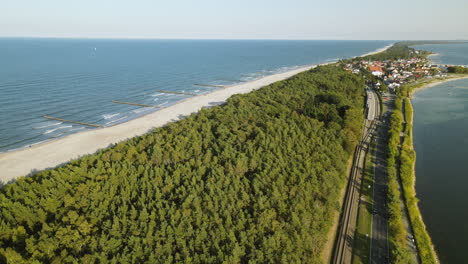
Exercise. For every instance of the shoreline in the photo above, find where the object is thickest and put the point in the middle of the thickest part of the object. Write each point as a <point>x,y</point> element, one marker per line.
<point>57,152</point>
<point>415,215</point>
<point>435,83</point>
<point>377,51</point>
<point>419,215</point>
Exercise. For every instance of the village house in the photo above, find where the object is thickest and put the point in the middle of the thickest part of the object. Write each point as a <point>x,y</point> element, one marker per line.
<point>376,70</point>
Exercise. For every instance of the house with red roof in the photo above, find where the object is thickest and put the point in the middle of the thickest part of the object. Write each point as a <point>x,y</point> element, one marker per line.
<point>376,70</point>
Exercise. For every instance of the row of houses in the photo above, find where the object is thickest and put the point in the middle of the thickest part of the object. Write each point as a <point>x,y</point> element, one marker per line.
<point>397,72</point>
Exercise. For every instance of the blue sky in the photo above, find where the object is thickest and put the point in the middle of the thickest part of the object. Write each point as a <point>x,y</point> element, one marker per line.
<point>236,19</point>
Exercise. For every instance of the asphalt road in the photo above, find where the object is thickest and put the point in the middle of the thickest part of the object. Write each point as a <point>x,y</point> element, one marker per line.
<point>379,252</point>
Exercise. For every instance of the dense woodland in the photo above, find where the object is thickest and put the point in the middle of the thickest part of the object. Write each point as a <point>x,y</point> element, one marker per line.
<point>457,69</point>
<point>255,180</point>
<point>399,50</point>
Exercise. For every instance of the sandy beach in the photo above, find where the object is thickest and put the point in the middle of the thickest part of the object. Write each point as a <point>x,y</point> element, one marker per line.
<point>378,51</point>
<point>60,151</point>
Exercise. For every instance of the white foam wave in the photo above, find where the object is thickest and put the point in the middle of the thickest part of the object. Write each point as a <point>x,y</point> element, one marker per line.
<point>137,111</point>
<point>116,120</point>
<point>109,116</point>
<point>75,129</point>
<point>49,125</point>
<point>37,143</point>
<point>49,131</point>
<point>52,130</point>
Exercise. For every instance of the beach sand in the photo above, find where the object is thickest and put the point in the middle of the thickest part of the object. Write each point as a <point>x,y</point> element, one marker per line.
<point>54,153</point>
<point>378,51</point>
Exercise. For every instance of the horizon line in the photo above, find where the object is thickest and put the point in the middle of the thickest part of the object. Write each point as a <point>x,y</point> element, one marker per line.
<point>157,38</point>
<point>272,39</point>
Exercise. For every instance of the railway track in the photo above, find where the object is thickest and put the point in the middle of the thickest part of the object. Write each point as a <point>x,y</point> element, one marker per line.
<point>345,237</point>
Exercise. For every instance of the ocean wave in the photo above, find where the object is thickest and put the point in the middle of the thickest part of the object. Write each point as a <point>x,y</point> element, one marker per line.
<point>55,129</point>
<point>76,129</point>
<point>116,120</point>
<point>109,116</point>
<point>137,111</point>
<point>37,143</point>
<point>54,124</point>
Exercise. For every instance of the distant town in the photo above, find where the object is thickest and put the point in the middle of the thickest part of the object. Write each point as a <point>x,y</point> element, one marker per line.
<point>391,74</point>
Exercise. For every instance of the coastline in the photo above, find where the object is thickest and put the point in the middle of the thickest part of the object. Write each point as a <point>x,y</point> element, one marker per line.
<point>435,83</point>
<point>54,153</point>
<point>423,239</point>
<point>424,243</point>
<point>377,51</point>
<point>419,217</point>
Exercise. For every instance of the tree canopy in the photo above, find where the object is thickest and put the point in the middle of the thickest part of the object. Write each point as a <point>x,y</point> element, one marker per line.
<point>457,69</point>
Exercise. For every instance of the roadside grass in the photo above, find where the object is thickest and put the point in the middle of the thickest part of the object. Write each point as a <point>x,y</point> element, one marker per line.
<point>361,248</point>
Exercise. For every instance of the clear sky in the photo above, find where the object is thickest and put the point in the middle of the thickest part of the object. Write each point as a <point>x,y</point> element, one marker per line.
<point>236,19</point>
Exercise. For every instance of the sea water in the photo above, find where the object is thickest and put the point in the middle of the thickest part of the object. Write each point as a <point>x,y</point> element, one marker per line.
<point>451,54</point>
<point>77,79</point>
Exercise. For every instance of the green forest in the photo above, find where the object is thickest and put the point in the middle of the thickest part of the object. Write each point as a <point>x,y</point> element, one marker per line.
<point>457,69</point>
<point>256,180</point>
<point>399,50</point>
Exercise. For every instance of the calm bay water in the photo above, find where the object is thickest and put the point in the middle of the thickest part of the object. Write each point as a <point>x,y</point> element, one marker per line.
<point>77,79</point>
<point>441,142</point>
<point>456,54</point>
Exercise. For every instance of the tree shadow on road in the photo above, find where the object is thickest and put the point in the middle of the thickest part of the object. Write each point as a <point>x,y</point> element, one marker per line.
<point>361,248</point>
